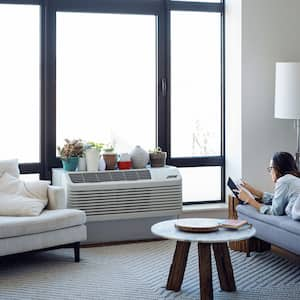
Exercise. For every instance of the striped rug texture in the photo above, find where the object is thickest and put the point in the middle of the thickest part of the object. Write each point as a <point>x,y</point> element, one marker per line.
<point>139,271</point>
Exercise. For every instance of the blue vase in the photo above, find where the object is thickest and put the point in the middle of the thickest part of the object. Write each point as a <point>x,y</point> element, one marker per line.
<point>70,164</point>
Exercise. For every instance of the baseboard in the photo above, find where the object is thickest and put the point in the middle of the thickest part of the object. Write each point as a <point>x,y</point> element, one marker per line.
<point>104,244</point>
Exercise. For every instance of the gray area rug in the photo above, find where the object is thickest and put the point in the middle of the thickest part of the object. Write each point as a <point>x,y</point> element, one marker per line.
<point>139,271</point>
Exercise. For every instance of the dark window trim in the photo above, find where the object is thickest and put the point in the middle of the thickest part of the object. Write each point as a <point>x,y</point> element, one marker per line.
<point>110,6</point>
<point>29,168</point>
<point>212,161</point>
<point>196,6</point>
<point>25,2</point>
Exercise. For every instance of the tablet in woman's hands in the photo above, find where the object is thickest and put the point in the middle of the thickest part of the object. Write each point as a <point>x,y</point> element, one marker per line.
<point>233,187</point>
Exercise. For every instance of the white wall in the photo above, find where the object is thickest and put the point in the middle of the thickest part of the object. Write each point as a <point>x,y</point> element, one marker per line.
<point>233,52</point>
<point>270,32</point>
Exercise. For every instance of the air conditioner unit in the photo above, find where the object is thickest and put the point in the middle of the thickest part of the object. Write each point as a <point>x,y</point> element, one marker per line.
<point>123,194</point>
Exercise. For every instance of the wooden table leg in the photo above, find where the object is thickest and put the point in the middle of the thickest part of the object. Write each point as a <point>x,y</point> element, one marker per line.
<point>178,266</point>
<point>224,267</point>
<point>205,273</point>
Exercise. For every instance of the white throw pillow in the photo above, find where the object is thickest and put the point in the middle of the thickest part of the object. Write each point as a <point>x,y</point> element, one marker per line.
<point>37,189</point>
<point>10,184</point>
<point>10,166</point>
<point>27,198</point>
<point>17,205</point>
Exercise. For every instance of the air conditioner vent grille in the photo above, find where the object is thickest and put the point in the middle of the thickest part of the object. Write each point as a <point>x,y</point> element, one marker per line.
<point>106,176</point>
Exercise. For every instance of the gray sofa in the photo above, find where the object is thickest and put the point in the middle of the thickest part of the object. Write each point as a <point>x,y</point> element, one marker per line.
<point>55,227</point>
<point>281,231</point>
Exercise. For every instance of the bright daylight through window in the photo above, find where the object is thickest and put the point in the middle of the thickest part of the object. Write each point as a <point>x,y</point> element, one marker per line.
<point>20,82</point>
<point>196,99</point>
<point>106,79</point>
<point>195,72</point>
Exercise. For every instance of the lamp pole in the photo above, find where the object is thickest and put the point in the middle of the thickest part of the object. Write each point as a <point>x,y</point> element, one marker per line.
<point>298,143</point>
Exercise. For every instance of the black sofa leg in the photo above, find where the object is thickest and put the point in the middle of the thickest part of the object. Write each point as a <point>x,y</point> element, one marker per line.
<point>77,252</point>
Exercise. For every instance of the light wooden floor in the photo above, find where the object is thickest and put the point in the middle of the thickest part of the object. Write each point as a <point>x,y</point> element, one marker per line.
<point>289,255</point>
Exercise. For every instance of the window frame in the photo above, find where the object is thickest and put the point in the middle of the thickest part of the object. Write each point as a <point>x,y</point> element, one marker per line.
<point>203,161</point>
<point>162,9</point>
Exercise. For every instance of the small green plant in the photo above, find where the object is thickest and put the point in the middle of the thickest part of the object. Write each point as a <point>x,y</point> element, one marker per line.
<point>156,150</point>
<point>94,145</point>
<point>71,148</point>
<point>108,148</point>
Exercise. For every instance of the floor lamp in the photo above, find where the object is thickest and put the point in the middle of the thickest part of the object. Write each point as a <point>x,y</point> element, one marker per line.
<point>287,96</point>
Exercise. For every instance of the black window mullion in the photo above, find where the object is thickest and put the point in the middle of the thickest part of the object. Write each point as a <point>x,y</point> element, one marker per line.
<point>20,1</point>
<point>49,146</point>
<point>43,174</point>
<point>162,82</point>
<point>223,153</point>
<point>29,168</point>
<point>196,6</point>
<point>110,6</point>
<point>213,161</point>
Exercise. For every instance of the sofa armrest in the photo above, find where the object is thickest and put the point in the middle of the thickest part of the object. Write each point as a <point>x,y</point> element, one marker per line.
<point>56,197</point>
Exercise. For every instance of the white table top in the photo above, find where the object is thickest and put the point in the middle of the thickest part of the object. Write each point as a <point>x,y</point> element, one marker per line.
<point>167,229</point>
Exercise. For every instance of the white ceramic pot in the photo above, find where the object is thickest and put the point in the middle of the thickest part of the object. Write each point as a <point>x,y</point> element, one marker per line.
<point>81,164</point>
<point>92,159</point>
<point>102,164</point>
<point>139,157</point>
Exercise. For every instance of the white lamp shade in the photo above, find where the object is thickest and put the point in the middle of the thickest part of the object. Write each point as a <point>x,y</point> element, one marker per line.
<point>287,91</point>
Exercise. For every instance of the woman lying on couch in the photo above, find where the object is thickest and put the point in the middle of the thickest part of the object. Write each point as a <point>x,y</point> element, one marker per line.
<point>285,175</point>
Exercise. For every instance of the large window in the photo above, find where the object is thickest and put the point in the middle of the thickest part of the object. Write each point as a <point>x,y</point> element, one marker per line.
<point>122,72</point>
<point>20,82</point>
<point>195,84</point>
<point>106,79</point>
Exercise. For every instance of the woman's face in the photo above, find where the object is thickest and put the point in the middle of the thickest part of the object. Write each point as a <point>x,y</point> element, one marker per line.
<point>272,171</point>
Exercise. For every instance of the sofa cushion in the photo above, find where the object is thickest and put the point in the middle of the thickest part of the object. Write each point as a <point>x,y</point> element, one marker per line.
<point>283,222</point>
<point>291,226</point>
<point>17,205</point>
<point>48,220</point>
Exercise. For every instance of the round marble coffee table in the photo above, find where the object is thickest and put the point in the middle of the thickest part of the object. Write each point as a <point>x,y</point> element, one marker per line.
<point>217,239</point>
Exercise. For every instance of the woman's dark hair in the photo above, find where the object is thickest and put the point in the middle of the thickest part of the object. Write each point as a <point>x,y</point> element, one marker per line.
<point>284,163</point>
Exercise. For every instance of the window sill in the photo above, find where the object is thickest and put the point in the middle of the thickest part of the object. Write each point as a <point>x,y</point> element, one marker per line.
<point>205,207</point>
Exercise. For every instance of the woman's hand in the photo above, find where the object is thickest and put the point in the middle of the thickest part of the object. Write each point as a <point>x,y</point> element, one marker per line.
<point>251,189</point>
<point>244,196</point>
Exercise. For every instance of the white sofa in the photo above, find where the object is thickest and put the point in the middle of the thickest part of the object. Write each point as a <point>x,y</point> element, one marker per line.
<point>55,227</point>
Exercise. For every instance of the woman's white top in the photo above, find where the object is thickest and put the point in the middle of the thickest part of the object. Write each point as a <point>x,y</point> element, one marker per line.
<point>286,198</point>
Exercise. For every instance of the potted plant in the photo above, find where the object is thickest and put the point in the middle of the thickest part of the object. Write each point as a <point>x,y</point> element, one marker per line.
<point>157,157</point>
<point>69,154</point>
<point>110,157</point>
<point>92,154</point>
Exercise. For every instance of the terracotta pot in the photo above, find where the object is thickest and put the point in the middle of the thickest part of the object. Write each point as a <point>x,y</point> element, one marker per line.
<point>110,160</point>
